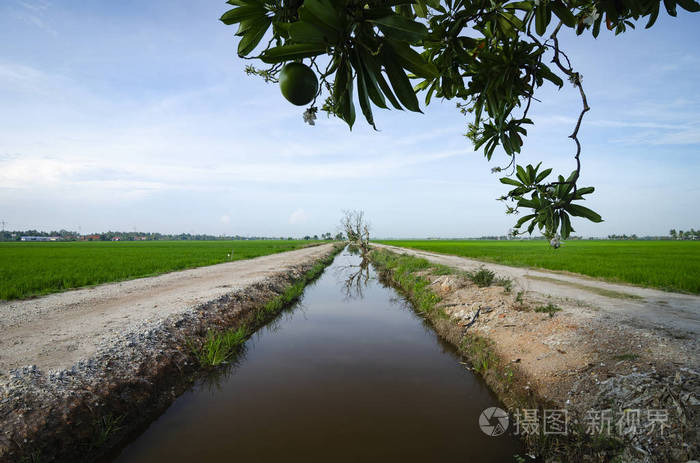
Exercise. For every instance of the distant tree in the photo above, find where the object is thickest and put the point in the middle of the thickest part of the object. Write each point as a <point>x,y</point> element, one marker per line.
<point>356,229</point>
<point>673,233</point>
<point>339,236</point>
<point>307,237</point>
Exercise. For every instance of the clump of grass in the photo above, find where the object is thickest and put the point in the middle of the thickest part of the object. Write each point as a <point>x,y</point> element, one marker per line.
<point>482,277</point>
<point>219,347</point>
<point>507,284</point>
<point>439,269</point>
<point>402,269</point>
<point>550,309</point>
<point>105,427</point>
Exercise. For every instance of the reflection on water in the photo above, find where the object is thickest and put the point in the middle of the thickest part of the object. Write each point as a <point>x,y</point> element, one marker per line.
<point>349,374</point>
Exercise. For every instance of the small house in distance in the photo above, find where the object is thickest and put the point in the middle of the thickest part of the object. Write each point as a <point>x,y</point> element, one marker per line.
<point>40,238</point>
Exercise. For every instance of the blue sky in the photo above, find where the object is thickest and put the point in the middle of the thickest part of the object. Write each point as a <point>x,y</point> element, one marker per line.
<point>137,115</point>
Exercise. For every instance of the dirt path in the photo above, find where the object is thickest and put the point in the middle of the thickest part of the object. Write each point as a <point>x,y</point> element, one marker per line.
<point>55,331</point>
<point>678,314</point>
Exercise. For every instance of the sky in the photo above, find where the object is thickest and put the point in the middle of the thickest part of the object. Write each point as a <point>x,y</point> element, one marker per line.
<point>137,116</point>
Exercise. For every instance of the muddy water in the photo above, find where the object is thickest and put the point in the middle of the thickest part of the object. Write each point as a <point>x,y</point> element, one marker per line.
<point>342,377</point>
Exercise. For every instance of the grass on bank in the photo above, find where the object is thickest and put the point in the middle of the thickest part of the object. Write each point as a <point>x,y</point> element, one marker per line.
<point>220,347</point>
<point>33,269</point>
<point>667,265</point>
<point>502,376</point>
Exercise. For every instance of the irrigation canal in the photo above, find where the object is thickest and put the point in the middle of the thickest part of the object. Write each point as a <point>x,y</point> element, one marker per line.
<point>349,374</point>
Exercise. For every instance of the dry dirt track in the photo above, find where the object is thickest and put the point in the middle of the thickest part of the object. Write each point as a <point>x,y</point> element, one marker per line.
<point>55,331</point>
<point>678,314</point>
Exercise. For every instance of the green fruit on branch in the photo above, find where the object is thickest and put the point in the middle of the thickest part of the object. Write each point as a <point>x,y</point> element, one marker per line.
<point>298,83</point>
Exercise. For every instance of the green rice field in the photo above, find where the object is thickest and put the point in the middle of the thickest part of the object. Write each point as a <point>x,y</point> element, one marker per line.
<point>668,265</point>
<point>32,269</point>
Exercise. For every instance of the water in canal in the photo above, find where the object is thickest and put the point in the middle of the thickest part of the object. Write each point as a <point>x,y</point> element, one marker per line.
<point>343,377</point>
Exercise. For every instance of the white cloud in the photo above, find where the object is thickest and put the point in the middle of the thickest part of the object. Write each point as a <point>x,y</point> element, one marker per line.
<point>298,217</point>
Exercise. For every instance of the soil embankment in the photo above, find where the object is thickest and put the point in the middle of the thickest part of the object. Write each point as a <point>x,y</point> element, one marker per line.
<point>81,370</point>
<point>620,366</point>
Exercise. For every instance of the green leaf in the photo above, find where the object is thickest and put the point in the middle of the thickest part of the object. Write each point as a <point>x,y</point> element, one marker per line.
<point>670,7</point>
<point>253,35</point>
<point>373,70</point>
<point>321,13</point>
<point>654,14</point>
<point>547,73</point>
<point>689,5</point>
<point>581,211</point>
<point>401,28</point>
<point>342,92</point>
<point>565,225</point>
<point>541,19</point>
<point>522,175</point>
<point>524,219</point>
<point>362,93</point>
<point>563,13</point>
<point>583,191</point>
<point>242,13</point>
<point>531,203</point>
<point>412,60</point>
<point>375,93</point>
<point>292,52</point>
<point>402,86</point>
<point>305,32</point>
<point>542,175</point>
<point>510,181</point>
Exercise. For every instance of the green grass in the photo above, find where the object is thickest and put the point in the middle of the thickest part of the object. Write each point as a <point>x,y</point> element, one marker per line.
<point>219,347</point>
<point>402,270</point>
<point>668,265</point>
<point>32,269</point>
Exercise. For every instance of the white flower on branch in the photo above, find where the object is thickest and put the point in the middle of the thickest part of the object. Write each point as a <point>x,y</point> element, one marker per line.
<point>310,115</point>
<point>555,242</point>
<point>591,18</point>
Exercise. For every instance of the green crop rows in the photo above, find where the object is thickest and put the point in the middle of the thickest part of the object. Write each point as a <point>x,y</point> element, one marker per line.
<point>31,269</point>
<point>668,265</point>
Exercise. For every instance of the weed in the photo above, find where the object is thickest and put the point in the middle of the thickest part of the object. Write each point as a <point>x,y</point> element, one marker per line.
<point>105,427</point>
<point>519,297</point>
<point>439,269</point>
<point>219,347</point>
<point>402,268</point>
<point>33,457</point>
<point>507,284</point>
<point>550,309</point>
<point>483,277</point>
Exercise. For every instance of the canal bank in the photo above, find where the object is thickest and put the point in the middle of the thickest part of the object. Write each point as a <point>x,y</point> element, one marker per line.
<point>81,412</point>
<point>578,385</point>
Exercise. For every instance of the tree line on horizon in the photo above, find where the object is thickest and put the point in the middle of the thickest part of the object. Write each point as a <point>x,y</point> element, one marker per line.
<point>68,235</point>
